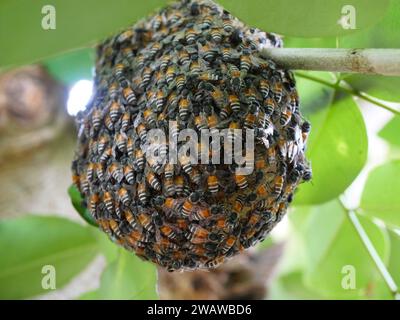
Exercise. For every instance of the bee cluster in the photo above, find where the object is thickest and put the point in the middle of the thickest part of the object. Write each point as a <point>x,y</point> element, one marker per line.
<point>197,65</point>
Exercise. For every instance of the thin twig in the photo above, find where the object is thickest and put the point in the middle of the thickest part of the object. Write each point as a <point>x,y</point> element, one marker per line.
<point>351,214</point>
<point>351,91</point>
<point>368,61</point>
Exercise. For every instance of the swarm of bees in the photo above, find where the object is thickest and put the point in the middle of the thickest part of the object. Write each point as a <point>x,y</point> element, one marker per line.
<point>197,65</point>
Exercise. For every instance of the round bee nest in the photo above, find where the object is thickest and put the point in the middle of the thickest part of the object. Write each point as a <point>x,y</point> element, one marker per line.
<point>191,66</point>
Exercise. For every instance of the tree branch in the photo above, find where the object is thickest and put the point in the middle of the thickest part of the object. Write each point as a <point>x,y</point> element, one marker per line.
<point>368,61</point>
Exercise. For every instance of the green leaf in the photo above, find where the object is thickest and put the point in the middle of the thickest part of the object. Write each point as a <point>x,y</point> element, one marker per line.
<point>291,287</point>
<point>337,150</point>
<point>128,278</point>
<point>380,198</point>
<point>384,34</point>
<point>107,247</point>
<point>391,132</point>
<point>78,24</point>
<point>72,66</point>
<point>332,243</point>
<point>78,204</point>
<point>314,96</point>
<point>381,87</point>
<point>91,295</point>
<point>29,243</point>
<point>306,18</point>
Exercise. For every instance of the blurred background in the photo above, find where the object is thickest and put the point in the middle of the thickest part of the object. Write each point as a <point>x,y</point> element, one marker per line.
<point>354,150</point>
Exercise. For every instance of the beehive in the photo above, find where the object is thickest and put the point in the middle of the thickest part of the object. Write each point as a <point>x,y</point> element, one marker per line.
<point>196,65</point>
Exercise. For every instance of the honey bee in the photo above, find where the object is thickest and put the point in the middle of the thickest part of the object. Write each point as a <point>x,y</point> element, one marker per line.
<point>153,181</point>
<point>126,118</point>
<point>277,90</point>
<point>142,132</point>
<point>305,131</point>
<point>172,205</point>
<point>146,77</point>
<point>108,201</point>
<point>190,35</point>
<point>119,71</point>
<point>226,53</point>
<point>169,171</point>
<point>115,111</point>
<point>217,96</point>
<point>215,262</point>
<point>262,191</point>
<point>241,181</point>
<point>175,17</point>
<point>199,235</point>
<point>179,184</point>
<point>139,159</point>
<point>278,185</point>
<point>233,126</point>
<point>129,95</point>
<point>212,180</point>
<point>184,108</point>
<point>170,74</point>
<point>207,52</point>
<point>149,117</point>
<point>245,62</point>
<point>90,171</point>
<point>235,82</point>
<point>195,176</point>
<point>125,36</point>
<point>271,156</point>
<point>84,184</point>
<point>115,228</point>
<point>130,218</point>
<point>115,172</point>
<point>160,98</point>
<point>145,221</point>
<point>285,117</point>
<point>199,121</point>
<point>128,53</point>
<point>216,35</point>
<point>189,203</point>
<point>109,123</point>
<point>212,119</point>
<point>94,201</point>
<point>155,48</point>
<point>100,171</point>
<point>195,67</point>
<point>165,61</point>
<point>264,88</point>
<point>226,111</point>
<point>184,160</point>
<point>229,243</point>
<point>157,22</point>
<point>113,90</point>
<point>96,121</point>
<point>180,82</point>
<point>104,224</point>
<point>142,192</point>
<point>250,119</point>
<point>207,21</point>
<point>234,103</point>
<point>124,196</point>
<point>121,142</point>
<point>183,56</point>
<point>201,214</point>
<point>227,23</point>
<point>168,231</point>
